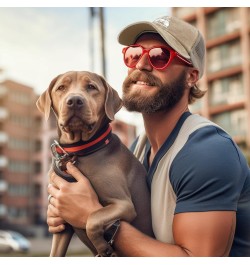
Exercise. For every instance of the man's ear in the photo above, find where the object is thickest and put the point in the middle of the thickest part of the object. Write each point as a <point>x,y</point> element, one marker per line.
<point>113,102</point>
<point>192,77</point>
<point>44,101</point>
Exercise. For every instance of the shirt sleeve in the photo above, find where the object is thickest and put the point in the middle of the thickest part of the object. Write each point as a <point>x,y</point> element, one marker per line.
<point>206,174</point>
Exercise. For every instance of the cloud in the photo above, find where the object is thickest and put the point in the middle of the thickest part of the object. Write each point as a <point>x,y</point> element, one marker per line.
<point>39,43</point>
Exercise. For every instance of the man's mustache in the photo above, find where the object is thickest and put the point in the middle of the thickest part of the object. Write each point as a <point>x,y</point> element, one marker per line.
<point>146,77</point>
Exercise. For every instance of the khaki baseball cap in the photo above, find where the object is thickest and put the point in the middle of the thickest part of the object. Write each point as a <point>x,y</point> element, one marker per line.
<point>180,35</point>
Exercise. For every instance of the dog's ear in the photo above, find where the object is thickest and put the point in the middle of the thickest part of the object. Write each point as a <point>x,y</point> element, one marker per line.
<point>44,101</point>
<point>113,102</point>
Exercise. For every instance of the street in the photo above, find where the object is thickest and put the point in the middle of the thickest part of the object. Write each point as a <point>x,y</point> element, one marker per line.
<point>40,246</point>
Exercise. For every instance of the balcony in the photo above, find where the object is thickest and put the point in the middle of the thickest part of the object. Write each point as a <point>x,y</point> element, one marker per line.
<point>3,186</point>
<point>3,138</point>
<point>3,91</point>
<point>3,162</point>
<point>3,114</point>
<point>3,210</point>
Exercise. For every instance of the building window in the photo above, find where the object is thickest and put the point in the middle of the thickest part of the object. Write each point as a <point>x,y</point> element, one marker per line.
<point>223,21</point>
<point>14,213</point>
<point>37,167</point>
<point>19,144</point>
<point>184,11</point>
<point>233,122</point>
<point>37,146</point>
<point>37,191</point>
<point>196,106</point>
<point>224,56</point>
<point>18,190</point>
<point>16,166</point>
<point>226,91</point>
<point>248,16</point>
<point>20,98</point>
<point>22,121</point>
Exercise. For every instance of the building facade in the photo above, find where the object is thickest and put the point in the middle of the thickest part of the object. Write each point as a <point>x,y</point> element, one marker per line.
<point>227,76</point>
<point>20,155</point>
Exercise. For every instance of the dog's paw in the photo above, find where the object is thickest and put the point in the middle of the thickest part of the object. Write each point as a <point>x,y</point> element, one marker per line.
<point>108,252</point>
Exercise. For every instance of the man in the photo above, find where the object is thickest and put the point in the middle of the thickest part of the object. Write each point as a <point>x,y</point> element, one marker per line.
<point>199,179</point>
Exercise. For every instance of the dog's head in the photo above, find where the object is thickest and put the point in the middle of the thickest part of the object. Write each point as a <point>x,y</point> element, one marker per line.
<point>82,102</point>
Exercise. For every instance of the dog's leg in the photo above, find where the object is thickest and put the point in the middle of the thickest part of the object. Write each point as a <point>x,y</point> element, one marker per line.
<point>84,238</point>
<point>98,220</point>
<point>60,242</point>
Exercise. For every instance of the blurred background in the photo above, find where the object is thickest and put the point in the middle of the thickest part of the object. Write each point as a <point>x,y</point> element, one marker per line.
<point>37,44</point>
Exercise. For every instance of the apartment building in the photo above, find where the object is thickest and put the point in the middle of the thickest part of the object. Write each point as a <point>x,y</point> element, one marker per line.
<point>20,155</point>
<point>227,76</point>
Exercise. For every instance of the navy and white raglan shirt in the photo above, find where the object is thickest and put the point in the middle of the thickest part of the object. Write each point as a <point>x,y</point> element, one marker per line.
<point>199,168</point>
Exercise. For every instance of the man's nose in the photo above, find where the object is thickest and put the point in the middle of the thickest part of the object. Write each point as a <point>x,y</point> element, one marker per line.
<point>144,64</point>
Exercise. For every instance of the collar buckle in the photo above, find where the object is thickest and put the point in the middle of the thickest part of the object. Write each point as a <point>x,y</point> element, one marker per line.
<point>62,159</point>
<point>56,155</point>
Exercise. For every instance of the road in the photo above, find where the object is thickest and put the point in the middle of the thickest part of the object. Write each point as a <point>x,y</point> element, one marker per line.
<point>40,247</point>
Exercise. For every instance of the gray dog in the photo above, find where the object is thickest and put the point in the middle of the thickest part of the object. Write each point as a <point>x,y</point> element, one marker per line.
<point>84,104</point>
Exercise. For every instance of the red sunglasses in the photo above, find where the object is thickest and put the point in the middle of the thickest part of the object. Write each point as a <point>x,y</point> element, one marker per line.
<point>159,57</point>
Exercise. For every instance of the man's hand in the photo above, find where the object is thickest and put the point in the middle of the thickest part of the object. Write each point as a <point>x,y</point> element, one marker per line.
<point>70,202</point>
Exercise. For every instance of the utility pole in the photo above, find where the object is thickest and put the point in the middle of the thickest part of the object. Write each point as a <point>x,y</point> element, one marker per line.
<point>103,54</point>
<point>91,38</point>
<point>100,14</point>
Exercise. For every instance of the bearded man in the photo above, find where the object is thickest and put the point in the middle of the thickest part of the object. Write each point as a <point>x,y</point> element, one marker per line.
<point>198,177</point>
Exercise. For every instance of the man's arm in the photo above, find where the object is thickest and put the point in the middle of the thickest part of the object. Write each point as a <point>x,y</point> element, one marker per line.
<point>195,234</point>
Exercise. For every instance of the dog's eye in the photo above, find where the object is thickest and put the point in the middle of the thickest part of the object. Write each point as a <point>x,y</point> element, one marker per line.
<point>91,87</point>
<point>61,87</point>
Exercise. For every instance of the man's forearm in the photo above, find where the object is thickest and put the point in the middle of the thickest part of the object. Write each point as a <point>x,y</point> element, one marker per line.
<point>130,242</point>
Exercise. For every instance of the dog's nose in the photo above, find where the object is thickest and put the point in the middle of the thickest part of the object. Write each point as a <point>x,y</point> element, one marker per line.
<point>75,102</point>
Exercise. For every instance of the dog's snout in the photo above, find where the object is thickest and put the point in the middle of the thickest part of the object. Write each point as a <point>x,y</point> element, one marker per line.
<point>75,102</point>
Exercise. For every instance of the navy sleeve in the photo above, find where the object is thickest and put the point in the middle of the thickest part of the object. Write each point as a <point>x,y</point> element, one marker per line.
<point>206,174</point>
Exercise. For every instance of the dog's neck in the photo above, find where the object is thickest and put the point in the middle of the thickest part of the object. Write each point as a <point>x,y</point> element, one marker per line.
<point>63,153</point>
<point>101,138</point>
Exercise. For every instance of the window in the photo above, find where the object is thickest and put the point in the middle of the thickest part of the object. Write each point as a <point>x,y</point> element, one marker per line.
<point>18,190</point>
<point>184,11</point>
<point>37,145</point>
<point>20,97</point>
<point>14,212</point>
<point>224,56</point>
<point>37,167</point>
<point>248,16</point>
<point>233,122</point>
<point>196,106</point>
<point>226,91</point>
<point>16,166</point>
<point>223,21</point>
<point>19,144</point>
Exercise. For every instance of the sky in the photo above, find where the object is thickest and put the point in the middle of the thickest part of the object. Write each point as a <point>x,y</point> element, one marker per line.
<point>39,39</point>
<point>38,43</point>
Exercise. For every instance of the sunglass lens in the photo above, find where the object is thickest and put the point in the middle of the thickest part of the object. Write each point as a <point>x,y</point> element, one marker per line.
<point>159,57</point>
<point>132,56</point>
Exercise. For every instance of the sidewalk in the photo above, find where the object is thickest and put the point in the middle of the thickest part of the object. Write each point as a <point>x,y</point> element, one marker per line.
<point>41,247</point>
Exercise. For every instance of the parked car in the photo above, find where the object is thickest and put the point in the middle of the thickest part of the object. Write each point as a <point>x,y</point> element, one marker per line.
<point>13,241</point>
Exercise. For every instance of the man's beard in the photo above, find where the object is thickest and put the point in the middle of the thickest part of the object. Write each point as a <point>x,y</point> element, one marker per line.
<point>166,98</point>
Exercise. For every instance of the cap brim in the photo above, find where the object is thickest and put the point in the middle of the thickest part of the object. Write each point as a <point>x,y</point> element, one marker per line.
<point>130,34</point>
